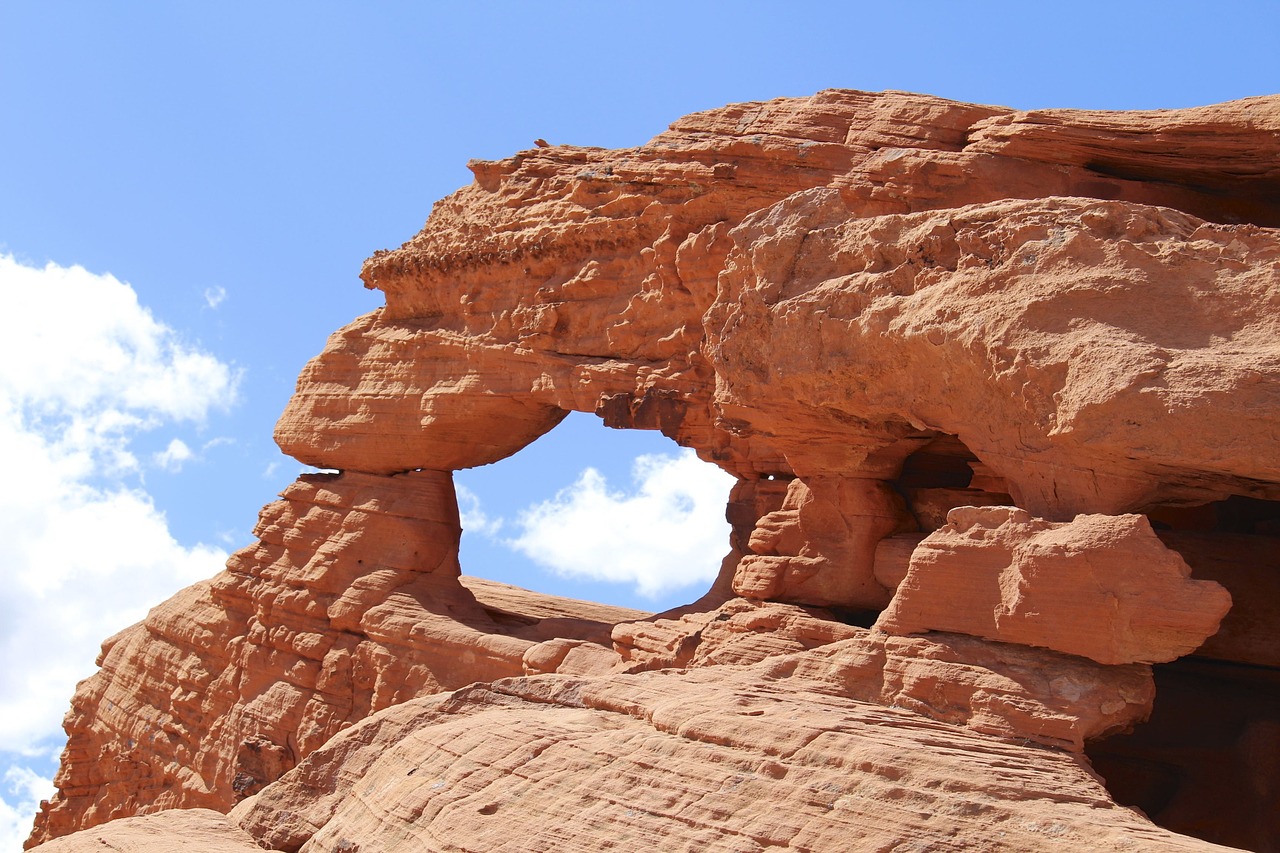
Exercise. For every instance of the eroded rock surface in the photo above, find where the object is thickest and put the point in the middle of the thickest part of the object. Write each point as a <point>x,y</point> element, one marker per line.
<point>204,830</point>
<point>349,602</point>
<point>1102,587</point>
<point>872,309</point>
<point>737,759</point>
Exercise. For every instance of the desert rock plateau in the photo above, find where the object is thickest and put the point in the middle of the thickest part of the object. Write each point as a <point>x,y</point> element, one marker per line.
<point>1001,392</point>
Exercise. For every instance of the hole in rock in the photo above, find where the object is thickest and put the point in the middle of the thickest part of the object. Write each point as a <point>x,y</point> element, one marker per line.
<point>943,474</point>
<point>1236,543</point>
<point>622,517</point>
<point>1226,196</point>
<point>939,475</point>
<point>1207,763</point>
<point>857,617</point>
<point>1235,514</point>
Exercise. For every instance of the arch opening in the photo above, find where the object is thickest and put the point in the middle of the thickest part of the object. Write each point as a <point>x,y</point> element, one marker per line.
<point>620,517</point>
<point>943,474</point>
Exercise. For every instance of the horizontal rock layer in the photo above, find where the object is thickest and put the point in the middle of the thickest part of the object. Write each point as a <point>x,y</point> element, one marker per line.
<point>725,759</point>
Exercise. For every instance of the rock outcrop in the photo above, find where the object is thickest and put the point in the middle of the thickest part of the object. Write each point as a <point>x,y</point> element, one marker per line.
<point>1002,394</point>
<point>1102,587</point>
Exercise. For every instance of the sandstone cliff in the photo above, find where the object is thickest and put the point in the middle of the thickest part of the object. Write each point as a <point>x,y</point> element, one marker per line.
<point>1002,394</point>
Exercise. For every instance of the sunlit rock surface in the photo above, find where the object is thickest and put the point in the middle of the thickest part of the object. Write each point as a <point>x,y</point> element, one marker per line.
<point>1002,394</point>
<point>1101,586</point>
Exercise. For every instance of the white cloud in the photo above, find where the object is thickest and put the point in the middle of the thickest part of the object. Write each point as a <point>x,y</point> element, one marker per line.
<point>474,519</point>
<point>215,296</point>
<point>173,456</point>
<point>85,552</point>
<point>669,532</point>
<point>23,789</point>
<point>86,347</point>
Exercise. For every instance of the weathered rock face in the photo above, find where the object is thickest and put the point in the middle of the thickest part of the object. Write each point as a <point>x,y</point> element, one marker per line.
<point>740,760</point>
<point>954,355</point>
<point>350,602</point>
<point>1102,587</point>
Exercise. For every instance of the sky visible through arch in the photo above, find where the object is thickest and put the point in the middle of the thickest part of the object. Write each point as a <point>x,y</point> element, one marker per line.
<point>620,516</point>
<point>187,192</point>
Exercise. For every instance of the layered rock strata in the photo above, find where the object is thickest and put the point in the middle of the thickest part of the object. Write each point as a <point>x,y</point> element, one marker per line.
<point>740,760</point>
<point>1002,394</point>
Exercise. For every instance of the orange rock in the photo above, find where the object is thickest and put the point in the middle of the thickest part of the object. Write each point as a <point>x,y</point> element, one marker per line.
<point>187,829</point>
<point>350,602</point>
<point>739,631</point>
<point>722,758</point>
<point>997,688</point>
<point>819,547</point>
<point>1016,326</point>
<point>1102,587</point>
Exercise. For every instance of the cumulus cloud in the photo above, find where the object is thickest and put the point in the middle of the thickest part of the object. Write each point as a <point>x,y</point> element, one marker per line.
<point>666,533</point>
<point>86,347</point>
<point>84,369</point>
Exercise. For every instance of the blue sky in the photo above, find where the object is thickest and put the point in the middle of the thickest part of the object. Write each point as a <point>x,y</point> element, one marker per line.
<point>228,166</point>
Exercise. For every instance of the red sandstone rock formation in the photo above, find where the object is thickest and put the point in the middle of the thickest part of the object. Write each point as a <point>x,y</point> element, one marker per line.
<point>1102,587</point>
<point>873,310</point>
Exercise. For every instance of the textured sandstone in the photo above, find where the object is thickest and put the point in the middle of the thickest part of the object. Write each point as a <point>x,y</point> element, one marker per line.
<point>870,308</point>
<point>200,830</point>
<point>729,760</point>
<point>1103,587</point>
<point>804,551</point>
<point>1065,341</point>
<point>350,602</point>
<point>996,688</point>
